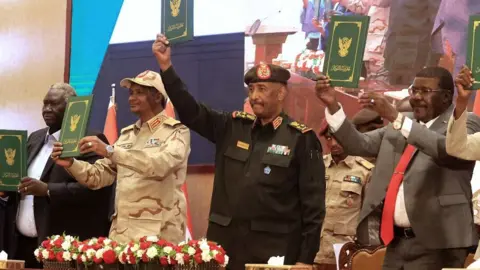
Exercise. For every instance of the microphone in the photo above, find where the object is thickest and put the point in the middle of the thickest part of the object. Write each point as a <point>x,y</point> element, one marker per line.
<point>254,28</point>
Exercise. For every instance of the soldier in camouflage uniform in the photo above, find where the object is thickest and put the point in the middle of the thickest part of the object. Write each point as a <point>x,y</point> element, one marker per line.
<point>379,12</point>
<point>149,161</point>
<point>346,178</point>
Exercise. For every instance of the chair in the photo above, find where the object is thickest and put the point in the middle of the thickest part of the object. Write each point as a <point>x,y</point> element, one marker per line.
<point>357,257</point>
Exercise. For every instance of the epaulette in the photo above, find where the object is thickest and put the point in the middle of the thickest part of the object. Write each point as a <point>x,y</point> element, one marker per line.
<point>171,122</point>
<point>243,115</point>
<point>127,128</point>
<point>364,163</point>
<point>299,126</point>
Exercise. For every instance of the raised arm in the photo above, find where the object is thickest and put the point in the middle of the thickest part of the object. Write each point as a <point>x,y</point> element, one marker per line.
<point>458,143</point>
<point>208,123</point>
<point>312,195</point>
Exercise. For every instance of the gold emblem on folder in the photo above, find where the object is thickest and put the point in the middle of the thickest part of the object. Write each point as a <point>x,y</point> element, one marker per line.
<point>10,156</point>
<point>175,7</point>
<point>74,122</point>
<point>344,44</point>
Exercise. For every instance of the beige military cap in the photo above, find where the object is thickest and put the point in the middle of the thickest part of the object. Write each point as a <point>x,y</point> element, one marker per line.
<point>146,78</point>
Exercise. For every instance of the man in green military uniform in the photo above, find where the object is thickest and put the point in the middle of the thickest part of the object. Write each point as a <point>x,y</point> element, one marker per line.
<point>268,194</point>
<point>346,178</point>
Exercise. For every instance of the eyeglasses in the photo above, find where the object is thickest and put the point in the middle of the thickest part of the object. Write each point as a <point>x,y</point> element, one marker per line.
<point>413,91</point>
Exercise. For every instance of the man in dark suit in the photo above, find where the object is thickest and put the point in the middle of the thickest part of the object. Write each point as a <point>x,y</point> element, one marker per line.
<point>424,193</point>
<point>50,200</point>
<point>269,188</point>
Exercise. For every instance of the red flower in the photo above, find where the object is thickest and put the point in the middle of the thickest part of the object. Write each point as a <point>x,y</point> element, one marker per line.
<point>145,245</point>
<point>124,257</point>
<point>143,239</point>
<point>163,261</point>
<point>79,259</point>
<point>198,258</point>
<point>145,257</point>
<point>114,244</point>
<point>46,244</point>
<point>51,255</point>
<point>58,243</point>
<point>161,242</point>
<point>131,259</point>
<point>97,246</point>
<point>109,256</point>
<point>220,258</point>
<point>173,261</point>
<point>59,256</point>
<point>100,240</point>
<point>186,258</point>
<point>97,260</point>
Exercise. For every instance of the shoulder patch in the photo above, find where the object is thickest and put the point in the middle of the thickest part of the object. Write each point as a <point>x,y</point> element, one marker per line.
<point>299,126</point>
<point>366,164</point>
<point>171,122</point>
<point>127,128</point>
<point>243,115</point>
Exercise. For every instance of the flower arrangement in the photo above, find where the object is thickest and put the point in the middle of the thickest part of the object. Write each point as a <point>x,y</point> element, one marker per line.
<point>64,251</point>
<point>60,248</point>
<point>98,251</point>
<point>149,249</point>
<point>197,252</point>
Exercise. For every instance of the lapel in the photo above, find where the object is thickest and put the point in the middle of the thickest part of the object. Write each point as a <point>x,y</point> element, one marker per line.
<point>47,168</point>
<point>37,143</point>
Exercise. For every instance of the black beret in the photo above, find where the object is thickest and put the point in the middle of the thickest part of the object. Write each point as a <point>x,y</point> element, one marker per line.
<point>267,73</point>
<point>365,116</point>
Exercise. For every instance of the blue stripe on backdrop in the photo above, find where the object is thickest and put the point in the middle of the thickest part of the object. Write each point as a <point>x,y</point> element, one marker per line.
<point>93,22</point>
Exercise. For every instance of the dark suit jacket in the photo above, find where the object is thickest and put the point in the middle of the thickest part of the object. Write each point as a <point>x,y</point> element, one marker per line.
<point>71,207</point>
<point>437,188</point>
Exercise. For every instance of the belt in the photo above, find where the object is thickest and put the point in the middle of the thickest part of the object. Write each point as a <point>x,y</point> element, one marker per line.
<point>405,233</point>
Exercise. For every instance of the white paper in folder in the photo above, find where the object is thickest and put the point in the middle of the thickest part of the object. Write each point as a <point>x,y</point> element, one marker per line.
<point>336,249</point>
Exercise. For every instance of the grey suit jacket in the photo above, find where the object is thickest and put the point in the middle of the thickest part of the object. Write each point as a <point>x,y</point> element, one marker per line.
<point>437,187</point>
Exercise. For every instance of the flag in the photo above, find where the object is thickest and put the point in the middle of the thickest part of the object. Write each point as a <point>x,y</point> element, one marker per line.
<point>110,130</point>
<point>170,111</point>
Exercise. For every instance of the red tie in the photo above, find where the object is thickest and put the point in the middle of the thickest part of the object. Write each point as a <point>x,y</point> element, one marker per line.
<point>386,230</point>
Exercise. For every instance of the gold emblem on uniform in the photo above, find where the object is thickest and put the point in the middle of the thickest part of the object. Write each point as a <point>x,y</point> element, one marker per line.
<point>344,44</point>
<point>175,7</point>
<point>74,122</point>
<point>243,145</point>
<point>263,71</point>
<point>10,156</point>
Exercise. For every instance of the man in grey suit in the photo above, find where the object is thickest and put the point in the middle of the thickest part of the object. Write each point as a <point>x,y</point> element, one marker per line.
<point>424,193</point>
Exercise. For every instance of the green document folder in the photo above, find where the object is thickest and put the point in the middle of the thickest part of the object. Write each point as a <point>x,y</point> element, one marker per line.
<point>473,49</point>
<point>177,20</point>
<point>13,158</point>
<point>346,45</point>
<point>74,125</point>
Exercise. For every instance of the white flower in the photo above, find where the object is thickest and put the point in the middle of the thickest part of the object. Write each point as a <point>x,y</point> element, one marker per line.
<point>204,245</point>
<point>45,254</point>
<point>134,248</point>
<point>118,249</point>
<point>276,260</point>
<point>107,248</point>
<point>56,237</point>
<point>206,257</point>
<point>74,256</point>
<point>182,243</point>
<point>191,251</point>
<point>92,242</point>
<point>80,247</point>
<point>179,258</point>
<point>66,245</point>
<point>167,250</point>
<point>69,238</point>
<point>152,238</point>
<point>152,252</point>
<point>214,253</point>
<point>36,252</point>
<point>90,253</point>
<point>99,254</point>
<point>140,253</point>
<point>169,260</point>
<point>84,258</point>
<point>107,242</point>
<point>226,260</point>
<point>67,256</point>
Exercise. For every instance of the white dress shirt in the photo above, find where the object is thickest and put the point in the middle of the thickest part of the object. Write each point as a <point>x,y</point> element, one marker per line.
<point>25,217</point>
<point>400,215</point>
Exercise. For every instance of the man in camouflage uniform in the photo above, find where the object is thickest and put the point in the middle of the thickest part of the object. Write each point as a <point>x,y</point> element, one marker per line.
<point>346,178</point>
<point>149,161</point>
<point>379,12</point>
